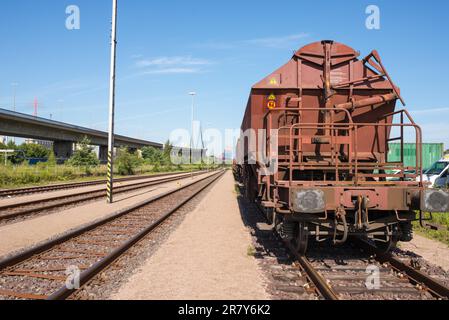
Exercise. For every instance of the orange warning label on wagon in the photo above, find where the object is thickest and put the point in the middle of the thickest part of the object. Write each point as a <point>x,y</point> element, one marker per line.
<point>271,104</point>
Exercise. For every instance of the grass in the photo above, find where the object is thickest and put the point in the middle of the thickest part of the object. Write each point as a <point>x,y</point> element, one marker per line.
<point>251,251</point>
<point>41,174</point>
<point>441,219</point>
<point>237,190</point>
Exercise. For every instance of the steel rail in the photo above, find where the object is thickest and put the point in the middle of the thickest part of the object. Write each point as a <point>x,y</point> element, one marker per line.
<point>89,273</point>
<point>63,186</point>
<point>323,288</point>
<point>89,195</point>
<point>415,276</point>
<point>30,202</point>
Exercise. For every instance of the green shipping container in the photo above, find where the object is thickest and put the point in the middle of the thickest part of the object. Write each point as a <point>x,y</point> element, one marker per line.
<point>432,152</point>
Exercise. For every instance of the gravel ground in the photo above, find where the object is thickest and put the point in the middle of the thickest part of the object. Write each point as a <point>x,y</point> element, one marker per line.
<point>45,195</point>
<point>25,210</point>
<point>205,258</point>
<point>15,193</point>
<point>101,287</point>
<point>426,265</point>
<point>16,237</point>
<point>346,269</point>
<point>86,249</point>
<point>430,250</point>
<point>284,278</point>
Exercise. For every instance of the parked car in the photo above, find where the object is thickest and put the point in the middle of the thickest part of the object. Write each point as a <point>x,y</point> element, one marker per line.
<point>406,172</point>
<point>437,174</point>
<point>442,181</point>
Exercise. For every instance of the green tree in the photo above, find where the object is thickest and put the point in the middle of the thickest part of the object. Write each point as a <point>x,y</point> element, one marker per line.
<point>15,158</point>
<point>84,155</point>
<point>166,154</point>
<point>11,145</point>
<point>152,155</point>
<point>2,157</point>
<point>127,162</point>
<point>34,150</point>
<point>51,158</point>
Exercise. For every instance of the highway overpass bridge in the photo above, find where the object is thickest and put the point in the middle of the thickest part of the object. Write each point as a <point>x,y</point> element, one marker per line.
<point>63,135</point>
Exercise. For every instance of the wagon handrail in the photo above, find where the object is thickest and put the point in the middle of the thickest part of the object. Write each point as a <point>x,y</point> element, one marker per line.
<point>354,127</point>
<point>312,109</point>
<point>410,118</point>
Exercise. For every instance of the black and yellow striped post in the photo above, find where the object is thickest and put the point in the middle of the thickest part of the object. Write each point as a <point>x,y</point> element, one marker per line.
<point>110,177</point>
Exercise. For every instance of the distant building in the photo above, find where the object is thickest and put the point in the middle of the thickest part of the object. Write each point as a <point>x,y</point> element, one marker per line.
<point>46,144</point>
<point>227,157</point>
<point>3,139</point>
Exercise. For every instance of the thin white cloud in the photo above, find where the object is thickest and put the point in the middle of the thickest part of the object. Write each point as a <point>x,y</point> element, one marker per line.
<point>172,71</point>
<point>429,110</point>
<point>277,42</point>
<point>172,61</point>
<point>267,42</point>
<point>172,65</point>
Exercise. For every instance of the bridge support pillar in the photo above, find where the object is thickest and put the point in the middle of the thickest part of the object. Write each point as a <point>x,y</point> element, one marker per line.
<point>63,149</point>
<point>103,154</point>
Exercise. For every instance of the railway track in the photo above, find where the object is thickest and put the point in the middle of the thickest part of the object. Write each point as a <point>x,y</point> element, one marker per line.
<point>27,208</point>
<point>41,189</point>
<point>343,273</point>
<point>358,271</point>
<point>50,270</point>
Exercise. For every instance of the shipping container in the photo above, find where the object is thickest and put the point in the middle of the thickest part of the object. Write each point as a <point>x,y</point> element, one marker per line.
<point>432,152</point>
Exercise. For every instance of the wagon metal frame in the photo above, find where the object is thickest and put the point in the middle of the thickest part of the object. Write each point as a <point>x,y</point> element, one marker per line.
<point>328,119</point>
<point>353,166</point>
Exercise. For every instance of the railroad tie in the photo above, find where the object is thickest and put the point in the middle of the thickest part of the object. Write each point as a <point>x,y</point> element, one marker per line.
<point>34,275</point>
<point>20,295</point>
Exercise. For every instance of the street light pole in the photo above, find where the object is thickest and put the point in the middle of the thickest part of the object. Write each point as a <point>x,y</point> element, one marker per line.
<point>192,94</point>
<point>110,178</point>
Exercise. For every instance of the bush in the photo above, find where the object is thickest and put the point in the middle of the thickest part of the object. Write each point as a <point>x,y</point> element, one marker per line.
<point>158,157</point>
<point>51,159</point>
<point>127,162</point>
<point>152,155</point>
<point>84,156</point>
<point>34,151</point>
<point>15,158</point>
<point>166,153</point>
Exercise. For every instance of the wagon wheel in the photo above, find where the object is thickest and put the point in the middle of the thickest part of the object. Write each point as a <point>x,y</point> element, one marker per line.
<point>301,240</point>
<point>389,245</point>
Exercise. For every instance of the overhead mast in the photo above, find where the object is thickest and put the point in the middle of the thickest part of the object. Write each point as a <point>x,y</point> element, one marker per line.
<point>110,177</point>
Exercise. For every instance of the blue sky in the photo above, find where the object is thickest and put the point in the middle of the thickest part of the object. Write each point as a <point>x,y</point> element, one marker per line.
<point>217,48</point>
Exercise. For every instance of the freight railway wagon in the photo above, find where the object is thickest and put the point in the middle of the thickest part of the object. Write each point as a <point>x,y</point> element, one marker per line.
<point>314,151</point>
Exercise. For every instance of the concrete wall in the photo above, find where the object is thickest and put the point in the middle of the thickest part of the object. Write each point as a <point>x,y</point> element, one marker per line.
<point>103,154</point>
<point>63,149</point>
